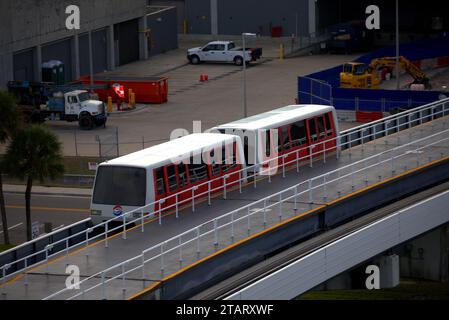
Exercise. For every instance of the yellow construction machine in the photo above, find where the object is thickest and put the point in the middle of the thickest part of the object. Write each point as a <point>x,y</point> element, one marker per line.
<point>361,75</point>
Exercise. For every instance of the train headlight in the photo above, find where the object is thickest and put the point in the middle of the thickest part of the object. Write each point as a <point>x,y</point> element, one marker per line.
<point>95,212</point>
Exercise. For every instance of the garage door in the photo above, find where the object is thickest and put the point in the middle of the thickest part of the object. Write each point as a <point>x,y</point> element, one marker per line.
<point>24,65</point>
<point>99,43</point>
<point>126,35</point>
<point>62,51</point>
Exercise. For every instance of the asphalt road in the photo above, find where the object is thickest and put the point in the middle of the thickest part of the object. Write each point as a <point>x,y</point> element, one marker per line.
<point>58,210</point>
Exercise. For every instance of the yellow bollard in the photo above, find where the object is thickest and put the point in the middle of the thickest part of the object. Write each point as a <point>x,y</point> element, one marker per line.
<point>109,104</point>
<point>130,91</point>
<point>185,26</point>
<point>133,99</point>
<point>281,52</point>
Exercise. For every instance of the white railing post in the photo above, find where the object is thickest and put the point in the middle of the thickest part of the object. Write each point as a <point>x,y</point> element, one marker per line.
<point>240,181</point>
<point>103,286</point>
<point>283,165</point>
<point>143,266</point>
<point>232,226</point>
<point>208,192</point>
<point>224,187</point>
<point>324,188</point>
<point>124,226</point>
<point>142,216</point>
<point>295,200</point>
<point>106,243</point>
<point>264,213</point>
<point>297,161</point>
<point>161,202</point>
<point>198,251</point>
<point>26,273</point>
<point>215,233</point>
<point>249,221</point>
<point>310,191</point>
<point>193,199</point>
<point>162,259</point>
<point>177,206</point>
<point>280,207</point>
<point>310,156</point>
<point>324,152</point>
<point>123,279</point>
<point>180,252</point>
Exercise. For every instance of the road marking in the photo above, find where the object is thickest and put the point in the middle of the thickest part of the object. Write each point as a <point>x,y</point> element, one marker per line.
<point>50,209</point>
<point>14,226</point>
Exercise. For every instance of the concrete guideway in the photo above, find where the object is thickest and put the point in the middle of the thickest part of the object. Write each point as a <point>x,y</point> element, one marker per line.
<point>390,227</point>
<point>96,258</point>
<point>241,282</point>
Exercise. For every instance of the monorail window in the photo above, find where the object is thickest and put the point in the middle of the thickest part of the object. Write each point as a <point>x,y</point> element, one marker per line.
<point>120,185</point>
<point>229,157</point>
<point>197,172</point>
<point>182,174</point>
<point>279,142</point>
<point>298,132</point>
<point>226,160</point>
<point>285,137</point>
<point>246,149</point>
<point>171,178</point>
<point>234,155</point>
<point>312,129</point>
<point>329,130</point>
<point>321,128</point>
<point>215,167</point>
<point>267,134</point>
<point>160,187</point>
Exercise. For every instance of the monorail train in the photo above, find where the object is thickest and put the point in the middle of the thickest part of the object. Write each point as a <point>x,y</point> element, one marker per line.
<point>166,171</point>
<point>170,174</point>
<point>301,128</point>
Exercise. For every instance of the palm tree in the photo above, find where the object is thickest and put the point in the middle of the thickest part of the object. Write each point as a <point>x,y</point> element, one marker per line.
<point>34,153</point>
<point>9,120</point>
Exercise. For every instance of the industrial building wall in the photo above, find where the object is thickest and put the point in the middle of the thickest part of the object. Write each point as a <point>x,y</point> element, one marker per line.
<point>163,31</point>
<point>259,16</point>
<point>31,25</point>
<point>180,10</point>
<point>198,16</point>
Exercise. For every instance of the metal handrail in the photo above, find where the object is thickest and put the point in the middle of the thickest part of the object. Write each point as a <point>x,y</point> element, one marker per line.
<point>177,239</point>
<point>158,213</point>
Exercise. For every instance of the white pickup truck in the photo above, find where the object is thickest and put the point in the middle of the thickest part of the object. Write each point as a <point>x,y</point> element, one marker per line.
<point>222,51</point>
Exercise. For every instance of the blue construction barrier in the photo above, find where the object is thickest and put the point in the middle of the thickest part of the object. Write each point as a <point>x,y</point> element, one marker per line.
<point>323,87</point>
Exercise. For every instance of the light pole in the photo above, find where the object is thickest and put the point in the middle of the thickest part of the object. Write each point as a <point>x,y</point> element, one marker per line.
<point>397,45</point>
<point>245,34</point>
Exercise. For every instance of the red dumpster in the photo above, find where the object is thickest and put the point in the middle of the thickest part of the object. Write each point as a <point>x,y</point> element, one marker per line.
<point>276,32</point>
<point>368,116</point>
<point>146,89</point>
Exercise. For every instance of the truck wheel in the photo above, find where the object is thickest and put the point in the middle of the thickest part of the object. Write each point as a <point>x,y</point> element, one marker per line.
<point>195,59</point>
<point>85,122</point>
<point>238,61</point>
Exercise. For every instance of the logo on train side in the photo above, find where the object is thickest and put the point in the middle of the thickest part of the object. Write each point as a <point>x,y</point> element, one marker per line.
<point>117,210</point>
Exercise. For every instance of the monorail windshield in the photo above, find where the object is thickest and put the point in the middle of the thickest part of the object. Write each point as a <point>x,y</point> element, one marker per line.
<point>120,185</point>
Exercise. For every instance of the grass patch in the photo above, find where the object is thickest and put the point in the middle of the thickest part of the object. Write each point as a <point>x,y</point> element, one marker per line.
<point>408,289</point>
<point>79,165</point>
<point>4,247</point>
